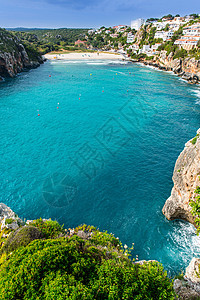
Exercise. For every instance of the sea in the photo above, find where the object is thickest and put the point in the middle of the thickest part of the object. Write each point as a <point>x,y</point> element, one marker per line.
<point>95,142</point>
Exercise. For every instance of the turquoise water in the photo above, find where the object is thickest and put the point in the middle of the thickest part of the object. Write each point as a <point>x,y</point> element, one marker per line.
<point>104,155</point>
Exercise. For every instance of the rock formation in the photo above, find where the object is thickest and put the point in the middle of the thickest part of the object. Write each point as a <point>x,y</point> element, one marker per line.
<point>186,178</point>
<point>8,219</point>
<point>189,287</point>
<point>14,58</point>
<point>188,68</point>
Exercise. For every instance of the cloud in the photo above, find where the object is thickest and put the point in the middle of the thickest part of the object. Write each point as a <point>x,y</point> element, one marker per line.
<point>101,5</point>
<point>77,4</point>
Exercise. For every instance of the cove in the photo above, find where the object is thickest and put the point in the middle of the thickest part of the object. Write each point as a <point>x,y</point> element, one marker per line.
<point>96,142</point>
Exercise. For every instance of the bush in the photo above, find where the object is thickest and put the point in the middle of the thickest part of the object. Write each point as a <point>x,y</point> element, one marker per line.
<point>182,53</point>
<point>9,221</point>
<point>50,229</point>
<point>194,140</point>
<point>196,208</point>
<point>73,268</point>
<point>21,237</point>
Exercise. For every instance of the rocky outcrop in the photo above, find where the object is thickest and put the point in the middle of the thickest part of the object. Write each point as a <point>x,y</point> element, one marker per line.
<point>189,287</point>
<point>186,178</point>
<point>8,219</point>
<point>188,68</point>
<point>14,58</point>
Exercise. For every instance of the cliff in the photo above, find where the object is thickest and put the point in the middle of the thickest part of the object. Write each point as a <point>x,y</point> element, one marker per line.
<point>186,179</point>
<point>187,68</point>
<point>15,56</point>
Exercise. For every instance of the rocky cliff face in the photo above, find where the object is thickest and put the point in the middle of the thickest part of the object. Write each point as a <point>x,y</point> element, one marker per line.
<point>188,68</point>
<point>188,287</point>
<point>14,57</point>
<point>186,178</point>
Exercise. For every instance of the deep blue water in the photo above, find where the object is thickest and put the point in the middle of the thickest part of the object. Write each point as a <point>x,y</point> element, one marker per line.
<point>104,155</point>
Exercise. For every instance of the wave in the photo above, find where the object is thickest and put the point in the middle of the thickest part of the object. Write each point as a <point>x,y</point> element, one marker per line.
<point>90,62</point>
<point>185,239</point>
<point>196,93</point>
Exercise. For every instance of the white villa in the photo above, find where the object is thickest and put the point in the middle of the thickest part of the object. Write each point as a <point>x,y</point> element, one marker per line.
<point>130,38</point>
<point>190,38</point>
<point>164,35</point>
<point>192,30</point>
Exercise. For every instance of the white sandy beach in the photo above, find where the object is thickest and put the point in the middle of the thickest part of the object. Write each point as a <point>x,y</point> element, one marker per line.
<point>84,56</point>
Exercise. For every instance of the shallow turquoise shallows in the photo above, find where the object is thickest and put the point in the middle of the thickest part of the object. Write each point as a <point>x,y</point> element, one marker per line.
<point>96,142</point>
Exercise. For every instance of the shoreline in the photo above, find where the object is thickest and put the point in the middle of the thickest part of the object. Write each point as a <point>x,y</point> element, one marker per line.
<point>85,56</point>
<point>188,77</point>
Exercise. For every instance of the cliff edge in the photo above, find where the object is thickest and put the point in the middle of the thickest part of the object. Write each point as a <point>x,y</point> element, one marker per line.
<point>15,56</point>
<point>186,179</point>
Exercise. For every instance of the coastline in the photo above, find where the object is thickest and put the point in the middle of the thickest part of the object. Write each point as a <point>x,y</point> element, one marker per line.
<point>84,56</point>
<point>188,77</point>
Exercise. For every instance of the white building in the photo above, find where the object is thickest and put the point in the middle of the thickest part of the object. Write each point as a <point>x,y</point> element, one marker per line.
<point>186,43</point>
<point>170,34</point>
<point>159,25</point>
<point>155,47</point>
<point>146,48</point>
<point>161,35</point>
<point>192,30</point>
<point>134,47</point>
<point>91,31</point>
<point>130,38</point>
<point>165,35</point>
<point>136,24</point>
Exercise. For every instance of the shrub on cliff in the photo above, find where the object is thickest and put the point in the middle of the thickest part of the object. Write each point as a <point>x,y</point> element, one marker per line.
<point>76,268</point>
<point>50,229</point>
<point>21,237</point>
<point>196,208</point>
<point>181,53</point>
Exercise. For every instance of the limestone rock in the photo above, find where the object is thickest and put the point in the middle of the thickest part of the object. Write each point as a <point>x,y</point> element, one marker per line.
<point>186,178</point>
<point>192,272</point>
<point>8,219</point>
<point>184,291</point>
<point>189,287</point>
<point>14,58</point>
<point>85,235</point>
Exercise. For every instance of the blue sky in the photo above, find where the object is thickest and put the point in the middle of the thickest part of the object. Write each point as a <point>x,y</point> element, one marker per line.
<point>89,14</point>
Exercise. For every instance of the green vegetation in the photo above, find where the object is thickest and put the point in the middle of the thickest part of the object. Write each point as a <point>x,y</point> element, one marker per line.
<point>194,140</point>
<point>196,208</point>
<point>169,47</point>
<point>21,237</point>
<point>10,43</point>
<point>46,40</point>
<point>177,34</point>
<point>68,266</point>
<point>49,229</point>
<point>180,53</point>
<point>9,221</point>
<point>180,276</point>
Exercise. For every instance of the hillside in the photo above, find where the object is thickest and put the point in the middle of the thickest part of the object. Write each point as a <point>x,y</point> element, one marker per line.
<point>170,43</point>
<point>16,55</point>
<point>46,40</point>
